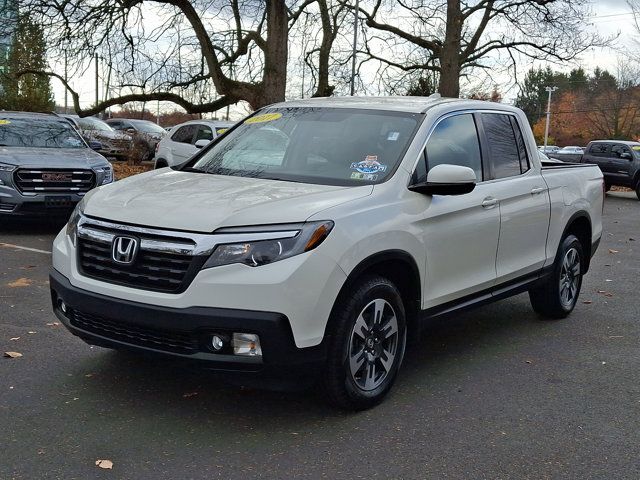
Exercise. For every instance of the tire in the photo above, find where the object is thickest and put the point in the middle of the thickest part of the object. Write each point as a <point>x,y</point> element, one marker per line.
<point>638,190</point>
<point>607,187</point>
<point>160,163</point>
<point>364,354</point>
<point>557,298</point>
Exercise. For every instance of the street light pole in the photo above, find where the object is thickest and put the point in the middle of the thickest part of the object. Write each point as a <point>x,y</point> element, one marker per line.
<point>546,128</point>
<point>355,48</point>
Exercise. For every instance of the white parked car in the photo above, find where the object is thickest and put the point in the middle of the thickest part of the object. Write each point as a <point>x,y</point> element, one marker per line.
<point>185,139</point>
<point>316,236</point>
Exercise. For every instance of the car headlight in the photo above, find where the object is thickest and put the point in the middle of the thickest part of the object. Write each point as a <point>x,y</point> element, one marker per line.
<point>7,168</point>
<point>108,174</point>
<point>261,252</point>
<point>72,224</point>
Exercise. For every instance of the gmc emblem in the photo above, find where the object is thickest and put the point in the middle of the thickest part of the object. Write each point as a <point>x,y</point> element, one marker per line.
<point>56,177</point>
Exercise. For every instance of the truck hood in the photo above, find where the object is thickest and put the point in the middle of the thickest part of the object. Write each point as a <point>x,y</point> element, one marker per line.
<point>202,203</point>
<point>51,157</point>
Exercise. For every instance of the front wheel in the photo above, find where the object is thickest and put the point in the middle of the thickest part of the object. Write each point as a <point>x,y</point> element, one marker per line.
<point>366,340</point>
<point>558,296</point>
<point>638,190</point>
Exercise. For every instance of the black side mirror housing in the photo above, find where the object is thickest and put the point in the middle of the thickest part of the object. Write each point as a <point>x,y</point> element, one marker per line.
<point>93,145</point>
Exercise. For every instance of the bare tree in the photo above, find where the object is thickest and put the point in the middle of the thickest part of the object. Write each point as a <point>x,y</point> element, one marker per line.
<point>453,37</point>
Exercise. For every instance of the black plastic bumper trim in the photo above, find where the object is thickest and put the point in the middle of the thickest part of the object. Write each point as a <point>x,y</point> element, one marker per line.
<point>279,352</point>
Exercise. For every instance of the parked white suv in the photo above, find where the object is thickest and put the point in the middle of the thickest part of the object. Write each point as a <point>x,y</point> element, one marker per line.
<point>185,139</point>
<point>315,236</point>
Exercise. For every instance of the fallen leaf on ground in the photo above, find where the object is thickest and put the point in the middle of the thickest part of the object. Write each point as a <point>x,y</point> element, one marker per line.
<point>13,339</point>
<point>12,354</point>
<point>107,464</point>
<point>588,302</point>
<point>31,332</point>
<point>21,282</point>
<point>53,324</point>
<point>528,361</point>
<point>611,250</point>
<point>605,293</point>
<point>607,280</point>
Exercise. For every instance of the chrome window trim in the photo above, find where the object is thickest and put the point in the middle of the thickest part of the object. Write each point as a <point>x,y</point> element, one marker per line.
<point>185,243</point>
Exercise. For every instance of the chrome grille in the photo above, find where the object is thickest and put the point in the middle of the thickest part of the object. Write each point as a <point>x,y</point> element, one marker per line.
<point>54,180</point>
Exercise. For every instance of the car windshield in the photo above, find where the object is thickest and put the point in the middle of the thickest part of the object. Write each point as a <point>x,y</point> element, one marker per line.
<point>36,132</point>
<point>313,145</point>
<point>147,127</point>
<point>90,123</point>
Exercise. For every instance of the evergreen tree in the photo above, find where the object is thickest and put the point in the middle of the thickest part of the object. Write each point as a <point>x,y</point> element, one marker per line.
<point>27,92</point>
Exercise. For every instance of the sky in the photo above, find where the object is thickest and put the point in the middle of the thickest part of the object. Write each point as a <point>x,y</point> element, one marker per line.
<point>609,18</point>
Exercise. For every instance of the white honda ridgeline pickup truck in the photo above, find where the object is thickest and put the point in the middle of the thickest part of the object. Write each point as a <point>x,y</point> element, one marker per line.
<point>315,236</point>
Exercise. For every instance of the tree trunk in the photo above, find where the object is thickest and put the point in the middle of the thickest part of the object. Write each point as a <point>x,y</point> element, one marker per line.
<point>324,89</point>
<point>449,85</point>
<point>274,82</point>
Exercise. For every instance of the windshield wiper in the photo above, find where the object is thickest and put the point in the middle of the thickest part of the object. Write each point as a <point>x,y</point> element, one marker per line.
<point>193,170</point>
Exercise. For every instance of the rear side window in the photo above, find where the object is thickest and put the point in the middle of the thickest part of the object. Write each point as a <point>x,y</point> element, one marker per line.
<point>504,153</point>
<point>454,141</point>
<point>599,149</point>
<point>184,134</point>
<point>522,149</point>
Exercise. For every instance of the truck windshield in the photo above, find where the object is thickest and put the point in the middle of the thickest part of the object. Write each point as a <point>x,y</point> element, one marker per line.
<point>38,133</point>
<point>313,145</point>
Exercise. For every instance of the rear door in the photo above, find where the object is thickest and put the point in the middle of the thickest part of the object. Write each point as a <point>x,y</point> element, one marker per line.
<point>460,232</point>
<point>522,195</point>
<point>599,154</point>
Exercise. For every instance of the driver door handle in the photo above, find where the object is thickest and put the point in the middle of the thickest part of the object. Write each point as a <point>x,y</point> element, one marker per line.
<point>489,202</point>
<point>536,190</point>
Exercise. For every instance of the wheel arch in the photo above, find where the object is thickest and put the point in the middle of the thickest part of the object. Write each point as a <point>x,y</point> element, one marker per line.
<point>399,267</point>
<point>580,225</point>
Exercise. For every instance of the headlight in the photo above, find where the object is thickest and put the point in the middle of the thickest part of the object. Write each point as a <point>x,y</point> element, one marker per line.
<point>261,252</point>
<point>108,174</point>
<point>7,168</point>
<point>72,224</point>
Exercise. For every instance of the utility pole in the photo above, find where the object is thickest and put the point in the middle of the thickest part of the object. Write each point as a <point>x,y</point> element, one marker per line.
<point>355,48</point>
<point>97,94</point>
<point>546,128</point>
<point>66,80</point>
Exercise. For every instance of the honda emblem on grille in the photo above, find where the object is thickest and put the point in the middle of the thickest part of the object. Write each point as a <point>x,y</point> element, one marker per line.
<point>124,249</point>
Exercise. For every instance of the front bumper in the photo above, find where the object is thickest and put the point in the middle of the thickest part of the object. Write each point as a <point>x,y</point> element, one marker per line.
<point>181,333</point>
<point>13,203</point>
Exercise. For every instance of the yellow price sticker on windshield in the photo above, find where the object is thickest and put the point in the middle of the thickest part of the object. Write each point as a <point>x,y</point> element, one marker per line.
<point>636,147</point>
<point>4,122</point>
<point>220,131</point>
<point>266,117</point>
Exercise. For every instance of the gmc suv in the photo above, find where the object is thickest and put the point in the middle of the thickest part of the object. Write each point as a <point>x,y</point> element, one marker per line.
<point>315,236</point>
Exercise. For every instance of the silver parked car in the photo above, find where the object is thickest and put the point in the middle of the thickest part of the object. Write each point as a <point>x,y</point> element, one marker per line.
<point>114,144</point>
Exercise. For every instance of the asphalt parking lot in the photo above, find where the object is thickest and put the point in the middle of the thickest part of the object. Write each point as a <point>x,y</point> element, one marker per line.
<point>495,393</point>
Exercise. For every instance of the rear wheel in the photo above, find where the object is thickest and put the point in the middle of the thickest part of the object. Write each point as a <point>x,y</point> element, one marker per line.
<point>558,296</point>
<point>366,342</point>
<point>638,190</point>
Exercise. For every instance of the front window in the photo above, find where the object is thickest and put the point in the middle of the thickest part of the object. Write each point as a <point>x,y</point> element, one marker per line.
<point>38,133</point>
<point>314,145</point>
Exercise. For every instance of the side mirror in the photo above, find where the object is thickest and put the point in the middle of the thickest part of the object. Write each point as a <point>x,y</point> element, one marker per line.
<point>203,142</point>
<point>447,179</point>
<point>130,130</point>
<point>626,155</point>
<point>93,145</point>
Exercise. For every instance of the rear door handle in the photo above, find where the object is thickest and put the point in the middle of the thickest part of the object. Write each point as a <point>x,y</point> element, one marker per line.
<point>489,202</point>
<point>536,190</point>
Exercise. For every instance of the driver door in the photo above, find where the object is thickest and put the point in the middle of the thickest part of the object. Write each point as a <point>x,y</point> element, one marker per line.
<point>460,232</point>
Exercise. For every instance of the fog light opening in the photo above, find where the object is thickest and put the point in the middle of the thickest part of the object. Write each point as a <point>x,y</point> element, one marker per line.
<point>63,306</point>
<point>246,344</point>
<point>217,343</point>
